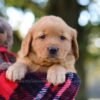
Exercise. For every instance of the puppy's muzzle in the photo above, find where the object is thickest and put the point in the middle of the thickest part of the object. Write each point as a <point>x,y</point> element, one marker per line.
<point>53,51</point>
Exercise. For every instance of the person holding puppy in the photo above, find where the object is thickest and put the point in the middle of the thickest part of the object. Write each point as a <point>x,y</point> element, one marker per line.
<point>6,41</point>
<point>44,69</point>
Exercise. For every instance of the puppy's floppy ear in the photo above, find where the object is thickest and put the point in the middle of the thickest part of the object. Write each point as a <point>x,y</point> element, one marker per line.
<point>75,48</point>
<point>26,44</point>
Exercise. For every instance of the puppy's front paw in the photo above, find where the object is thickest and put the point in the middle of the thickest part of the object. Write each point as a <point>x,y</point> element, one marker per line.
<point>16,72</point>
<point>56,74</point>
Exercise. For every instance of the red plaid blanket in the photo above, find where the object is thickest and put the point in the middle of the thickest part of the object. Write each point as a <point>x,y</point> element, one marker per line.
<point>35,87</point>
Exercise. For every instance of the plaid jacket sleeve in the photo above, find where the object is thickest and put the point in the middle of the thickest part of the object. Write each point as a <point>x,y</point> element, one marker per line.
<point>35,87</point>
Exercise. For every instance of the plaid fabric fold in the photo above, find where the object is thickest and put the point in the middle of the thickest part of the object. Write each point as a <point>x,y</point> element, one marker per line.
<point>6,56</point>
<point>34,86</point>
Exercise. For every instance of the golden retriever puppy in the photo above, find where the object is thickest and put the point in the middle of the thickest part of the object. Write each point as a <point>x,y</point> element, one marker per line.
<point>50,46</point>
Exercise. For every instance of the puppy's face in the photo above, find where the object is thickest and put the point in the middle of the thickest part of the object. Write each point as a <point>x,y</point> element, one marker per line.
<point>51,44</point>
<point>51,40</point>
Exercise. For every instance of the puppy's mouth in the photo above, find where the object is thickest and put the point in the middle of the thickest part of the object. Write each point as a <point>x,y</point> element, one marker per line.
<point>47,62</point>
<point>53,59</point>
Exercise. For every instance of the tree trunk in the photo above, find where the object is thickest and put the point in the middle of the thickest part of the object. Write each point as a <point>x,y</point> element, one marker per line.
<point>69,10</point>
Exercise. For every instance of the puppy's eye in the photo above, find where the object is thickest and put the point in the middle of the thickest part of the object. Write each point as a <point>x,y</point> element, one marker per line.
<point>62,37</point>
<point>42,36</point>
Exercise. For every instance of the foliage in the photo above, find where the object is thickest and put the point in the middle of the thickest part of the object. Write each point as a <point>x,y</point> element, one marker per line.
<point>26,4</point>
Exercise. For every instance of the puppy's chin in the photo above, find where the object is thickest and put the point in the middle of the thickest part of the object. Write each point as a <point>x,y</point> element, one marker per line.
<point>47,62</point>
<point>54,60</point>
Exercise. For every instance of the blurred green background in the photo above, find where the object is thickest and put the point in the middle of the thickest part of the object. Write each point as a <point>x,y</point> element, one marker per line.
<point>84,15</point>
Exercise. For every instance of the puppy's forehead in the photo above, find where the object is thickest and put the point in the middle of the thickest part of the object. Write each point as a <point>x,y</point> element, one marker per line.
<point>52,25</point>
<point>53,32</point>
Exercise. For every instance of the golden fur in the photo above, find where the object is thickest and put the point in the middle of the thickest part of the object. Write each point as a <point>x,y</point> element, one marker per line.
<point>49,31</point>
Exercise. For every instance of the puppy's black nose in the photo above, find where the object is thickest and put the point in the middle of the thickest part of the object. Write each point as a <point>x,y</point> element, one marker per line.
<point>53,51</point>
